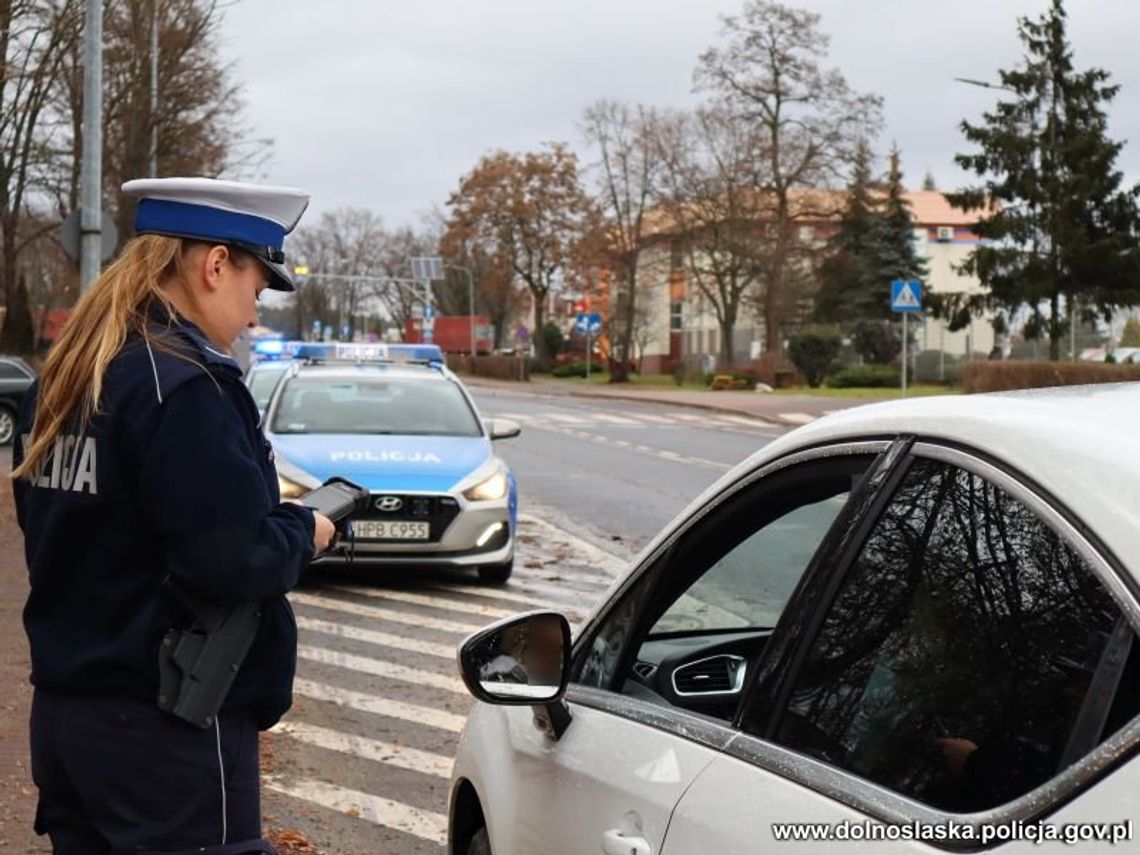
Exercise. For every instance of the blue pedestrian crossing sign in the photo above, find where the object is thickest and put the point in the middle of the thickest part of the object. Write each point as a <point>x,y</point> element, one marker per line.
<point>906,295</point>
<point>588,322</point>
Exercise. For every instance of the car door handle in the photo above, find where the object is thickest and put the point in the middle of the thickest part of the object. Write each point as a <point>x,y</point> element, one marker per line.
<point>616,843</point>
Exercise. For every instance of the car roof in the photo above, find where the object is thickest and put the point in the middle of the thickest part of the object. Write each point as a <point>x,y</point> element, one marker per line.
<point>1076,442</point>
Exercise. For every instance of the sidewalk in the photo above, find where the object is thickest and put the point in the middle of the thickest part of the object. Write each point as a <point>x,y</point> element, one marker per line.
<point>787,410</point>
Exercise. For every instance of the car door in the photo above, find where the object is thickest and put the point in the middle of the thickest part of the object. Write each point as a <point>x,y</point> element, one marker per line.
<point>658,678</point>
<point>968,676</point>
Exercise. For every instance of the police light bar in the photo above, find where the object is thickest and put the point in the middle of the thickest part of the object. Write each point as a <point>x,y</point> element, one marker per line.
<point>343,351</point>
<point>269,348</point>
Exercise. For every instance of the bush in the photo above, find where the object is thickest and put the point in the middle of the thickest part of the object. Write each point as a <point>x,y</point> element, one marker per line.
<point>867,377</point>
<point>552,336</point>
<point>879,342</point>
<point>1024,374</point>
<point>574,369</point>
<point>813,351</point>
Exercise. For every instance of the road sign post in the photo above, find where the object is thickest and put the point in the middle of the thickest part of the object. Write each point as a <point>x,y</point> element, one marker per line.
<point>588,323</point>
<point>906,298</point>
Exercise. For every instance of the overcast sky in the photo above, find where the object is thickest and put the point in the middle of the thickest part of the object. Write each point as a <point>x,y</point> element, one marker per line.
<point>384,104</point>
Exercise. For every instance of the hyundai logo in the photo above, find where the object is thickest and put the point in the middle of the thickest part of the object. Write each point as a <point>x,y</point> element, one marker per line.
<point>389,503</point>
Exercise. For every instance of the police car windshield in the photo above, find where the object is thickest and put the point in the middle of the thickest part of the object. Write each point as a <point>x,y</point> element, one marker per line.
<point>373,405</point>
<point>263,380</point>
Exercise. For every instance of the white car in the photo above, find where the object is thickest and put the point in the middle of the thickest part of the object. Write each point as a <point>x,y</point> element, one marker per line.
<point>911,622</point>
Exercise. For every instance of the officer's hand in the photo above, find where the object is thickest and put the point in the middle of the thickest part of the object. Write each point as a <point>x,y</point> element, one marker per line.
<point>323,533</point>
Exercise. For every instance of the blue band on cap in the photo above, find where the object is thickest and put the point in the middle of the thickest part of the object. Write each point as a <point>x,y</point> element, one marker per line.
<point>161,216</point>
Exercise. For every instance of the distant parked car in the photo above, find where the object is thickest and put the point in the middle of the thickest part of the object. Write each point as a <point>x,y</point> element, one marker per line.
<point>16,376</point>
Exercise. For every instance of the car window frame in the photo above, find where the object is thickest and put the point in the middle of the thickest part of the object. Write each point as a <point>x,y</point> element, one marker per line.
<point>22,371</point>
<point>880,803</point>
<point>655,561</point>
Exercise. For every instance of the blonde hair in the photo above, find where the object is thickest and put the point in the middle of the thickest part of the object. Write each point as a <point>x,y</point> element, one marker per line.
<point>118,304</point>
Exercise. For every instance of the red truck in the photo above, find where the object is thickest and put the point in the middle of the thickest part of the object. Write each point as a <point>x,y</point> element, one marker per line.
<point>452,333</point>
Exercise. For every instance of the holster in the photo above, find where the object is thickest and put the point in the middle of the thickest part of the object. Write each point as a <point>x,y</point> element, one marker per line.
<point>198,664</point>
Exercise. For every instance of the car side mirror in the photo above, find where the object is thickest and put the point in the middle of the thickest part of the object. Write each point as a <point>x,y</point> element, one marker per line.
<point>502,428</point>
<point>519,661</point>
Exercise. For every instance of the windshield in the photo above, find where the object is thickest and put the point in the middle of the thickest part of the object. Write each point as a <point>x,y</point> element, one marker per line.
<point>376,405</point>
<point>263,381</point>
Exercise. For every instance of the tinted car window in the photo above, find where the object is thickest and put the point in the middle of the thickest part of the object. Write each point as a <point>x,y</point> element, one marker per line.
<point>373,405</point>
<point>726,581</point>
<point>750,585</point>
<point>955,663</point>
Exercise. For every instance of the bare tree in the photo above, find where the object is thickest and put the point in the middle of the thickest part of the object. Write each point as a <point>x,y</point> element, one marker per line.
<point>769,74</point>
<point>530,209</point>
<point>627,173</point>
<point>717,210</point>
<point>343,246</point>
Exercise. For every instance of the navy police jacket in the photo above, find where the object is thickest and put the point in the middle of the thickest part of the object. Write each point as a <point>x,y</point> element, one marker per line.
<point>172,479</point>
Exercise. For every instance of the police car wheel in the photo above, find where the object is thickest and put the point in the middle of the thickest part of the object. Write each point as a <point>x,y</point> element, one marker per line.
<point>480,844</point>
<point>496,574</point>
<point>7,425</point>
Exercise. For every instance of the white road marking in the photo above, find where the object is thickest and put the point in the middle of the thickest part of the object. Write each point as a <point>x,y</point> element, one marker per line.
<point>659,420</point>
<point>382,639</point>
<point>566,418</point>
<point>424,824</point>
<point>596,557</point>
<point>617,420</point>
<point>690,417</point>
<point>446,603</point>
<point>504,594</point>
<point>381,668</point>
<point>426,716</point>
<point>380,614</point>
<point>797,418</point>
<point>389,753</point>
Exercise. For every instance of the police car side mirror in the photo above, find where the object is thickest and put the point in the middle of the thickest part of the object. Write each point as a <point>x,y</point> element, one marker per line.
<point>502,428</point>
<point>519,661</point>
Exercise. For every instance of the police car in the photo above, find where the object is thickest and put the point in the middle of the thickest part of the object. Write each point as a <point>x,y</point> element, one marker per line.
<point>268,365</point>
<point>395,420</point>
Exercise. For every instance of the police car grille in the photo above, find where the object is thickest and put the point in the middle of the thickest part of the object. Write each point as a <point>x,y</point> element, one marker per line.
<point>437,511</point>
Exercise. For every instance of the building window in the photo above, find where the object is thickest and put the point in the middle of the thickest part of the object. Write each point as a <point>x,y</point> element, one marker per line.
<point>676,314</point>
<point>807,234</point>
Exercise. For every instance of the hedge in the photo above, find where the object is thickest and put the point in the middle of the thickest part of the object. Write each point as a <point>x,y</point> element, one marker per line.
<point>866,377</point>
<point>1004,375</point>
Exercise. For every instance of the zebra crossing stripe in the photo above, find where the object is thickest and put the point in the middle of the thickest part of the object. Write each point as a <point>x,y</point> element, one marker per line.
<point>424,600</point>
<point>376,705</point>
<point>616,420</point>
<point>565,418</point>
<point>425,824</point>
<point>501,594</point>
<point>381,668</point>
<point>381,614</point>
<point>382,639</point>
<point>400,756</point>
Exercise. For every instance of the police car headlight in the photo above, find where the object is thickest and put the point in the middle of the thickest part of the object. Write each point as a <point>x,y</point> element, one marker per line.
<point>493,488</point>
<point>290,489</point>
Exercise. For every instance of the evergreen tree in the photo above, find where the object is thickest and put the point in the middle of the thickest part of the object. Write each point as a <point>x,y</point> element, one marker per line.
<point>873,247</point>
<point>1060,227</point>
<point>897,256</point>
<point>846,274</point>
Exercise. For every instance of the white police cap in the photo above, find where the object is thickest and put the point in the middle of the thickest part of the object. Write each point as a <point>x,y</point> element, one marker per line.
<point>250,216</point>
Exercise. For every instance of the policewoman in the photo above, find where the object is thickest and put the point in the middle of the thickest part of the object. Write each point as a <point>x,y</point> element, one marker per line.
<point>143,485</point>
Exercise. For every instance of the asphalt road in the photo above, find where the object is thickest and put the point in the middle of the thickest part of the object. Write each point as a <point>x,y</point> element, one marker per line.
<point>361,763</point>
<point>616,472</point>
